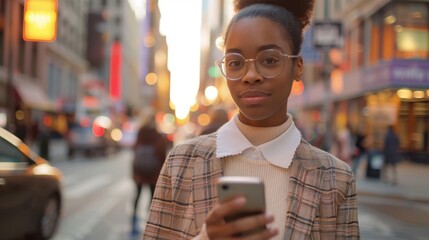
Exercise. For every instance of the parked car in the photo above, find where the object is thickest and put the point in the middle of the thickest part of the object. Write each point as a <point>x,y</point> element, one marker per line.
<point>82,138</point>
<point>30,192</point>
<point>129,133</point>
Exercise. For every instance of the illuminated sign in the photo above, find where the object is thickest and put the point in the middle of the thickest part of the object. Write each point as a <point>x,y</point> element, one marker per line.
<point>40,20</point>
<point>116,71</point>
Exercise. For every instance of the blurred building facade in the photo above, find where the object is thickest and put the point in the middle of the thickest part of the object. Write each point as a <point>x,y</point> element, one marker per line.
<point>155,75</point>
<point>43,76</point>
<point>378,77</point>
<point>113,51</point>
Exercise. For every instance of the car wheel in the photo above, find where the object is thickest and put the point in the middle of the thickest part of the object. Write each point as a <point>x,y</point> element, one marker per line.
<point>49,219</point>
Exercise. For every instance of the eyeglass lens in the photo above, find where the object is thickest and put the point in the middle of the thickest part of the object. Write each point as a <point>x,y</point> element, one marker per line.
<point>269,63</point>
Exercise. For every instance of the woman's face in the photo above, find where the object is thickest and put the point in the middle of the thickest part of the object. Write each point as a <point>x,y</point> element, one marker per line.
<point>262,101</point>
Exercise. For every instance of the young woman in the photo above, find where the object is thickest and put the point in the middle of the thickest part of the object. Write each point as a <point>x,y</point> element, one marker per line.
<point>310,193</point>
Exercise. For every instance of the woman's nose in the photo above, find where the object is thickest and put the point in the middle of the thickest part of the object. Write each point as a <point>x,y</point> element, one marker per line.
<point>252,75</point>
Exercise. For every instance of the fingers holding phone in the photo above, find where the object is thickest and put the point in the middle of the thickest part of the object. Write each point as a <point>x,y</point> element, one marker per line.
<point>241,210</point>
<point>218,228</point>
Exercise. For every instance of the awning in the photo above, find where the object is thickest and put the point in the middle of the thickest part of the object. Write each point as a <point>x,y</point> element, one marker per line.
<point>33,95</point>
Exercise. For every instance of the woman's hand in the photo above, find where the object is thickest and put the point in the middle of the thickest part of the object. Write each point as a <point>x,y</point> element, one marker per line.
<point>218,228</point>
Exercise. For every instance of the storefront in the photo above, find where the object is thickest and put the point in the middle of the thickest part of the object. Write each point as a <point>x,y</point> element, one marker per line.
<point>387,66</point>
<point>383,79</point>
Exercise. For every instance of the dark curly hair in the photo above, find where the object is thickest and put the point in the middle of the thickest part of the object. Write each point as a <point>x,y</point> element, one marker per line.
<point>301,9</point>
<point>292,15</point>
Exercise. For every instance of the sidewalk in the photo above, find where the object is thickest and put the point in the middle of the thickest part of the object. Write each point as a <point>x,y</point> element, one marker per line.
<point>413,178</point>
<point>413,183</point>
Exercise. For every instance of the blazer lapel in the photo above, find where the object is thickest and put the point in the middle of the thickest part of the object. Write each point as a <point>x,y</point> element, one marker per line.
<point>303,197</point>
<point>207,170</point>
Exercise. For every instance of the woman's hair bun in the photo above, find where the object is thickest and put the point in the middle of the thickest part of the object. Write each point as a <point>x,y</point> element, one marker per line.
<point>301,9</point>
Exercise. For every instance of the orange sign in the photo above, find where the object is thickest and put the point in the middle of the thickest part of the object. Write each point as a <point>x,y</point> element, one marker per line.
<point>40,20</point>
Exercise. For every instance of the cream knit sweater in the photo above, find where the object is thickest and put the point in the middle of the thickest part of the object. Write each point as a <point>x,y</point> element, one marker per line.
<point>252,163</point>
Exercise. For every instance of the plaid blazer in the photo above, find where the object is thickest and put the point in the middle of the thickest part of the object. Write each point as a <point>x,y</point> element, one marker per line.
<point>322,202</point>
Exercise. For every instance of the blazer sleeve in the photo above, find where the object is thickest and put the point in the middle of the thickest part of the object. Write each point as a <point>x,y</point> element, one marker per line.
<point>347,218</point>
<point>171,214</point>
<point>158,224</point>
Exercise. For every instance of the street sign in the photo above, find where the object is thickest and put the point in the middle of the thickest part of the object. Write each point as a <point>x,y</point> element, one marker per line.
<point>40,20</point>
<point>327,34</point>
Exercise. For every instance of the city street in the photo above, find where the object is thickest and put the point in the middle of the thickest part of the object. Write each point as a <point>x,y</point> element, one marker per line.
<point>383,218</point>
<point>82,83</point>
<point>97,198</point>
<point>98,195</point>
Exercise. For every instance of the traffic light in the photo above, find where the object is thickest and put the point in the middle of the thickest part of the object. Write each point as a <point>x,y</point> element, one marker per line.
<point>40,20</point>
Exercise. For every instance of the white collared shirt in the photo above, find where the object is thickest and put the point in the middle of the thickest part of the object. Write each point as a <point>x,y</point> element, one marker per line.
<point>279,151</point>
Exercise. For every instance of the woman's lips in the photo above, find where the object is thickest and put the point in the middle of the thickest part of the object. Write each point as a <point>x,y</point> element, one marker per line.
<point>253,97</point>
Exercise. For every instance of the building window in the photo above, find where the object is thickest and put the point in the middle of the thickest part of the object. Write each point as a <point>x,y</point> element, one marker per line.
<point>51,80</point>
<point>405,29</point>
<point>412,30</point>
<point>21,43</point>
<point>72,86</point>
<point>376,40</point>
<point>118,21</point>
<point>54,81</point>
<point>2,42</point>
<point>34,56</point>
<point>3,20</point>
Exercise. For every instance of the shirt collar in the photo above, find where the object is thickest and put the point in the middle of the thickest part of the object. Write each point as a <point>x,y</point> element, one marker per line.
<point>279,151</point>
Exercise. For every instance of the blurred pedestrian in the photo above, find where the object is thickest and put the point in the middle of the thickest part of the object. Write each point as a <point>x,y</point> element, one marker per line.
<point>360,148</point>
<point>310,193</point>
<point>391,156</point>
<point>343,145</point>
<point>21,130</point>
<point>44,139</point>
<point>149,154</point>
<point>218,117</point>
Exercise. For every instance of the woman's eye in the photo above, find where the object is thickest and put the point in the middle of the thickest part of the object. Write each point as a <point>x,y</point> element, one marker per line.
<point>234,64</point>
<point>269,61</point>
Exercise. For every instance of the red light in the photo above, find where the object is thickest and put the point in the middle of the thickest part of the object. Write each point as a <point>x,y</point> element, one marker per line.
<point>47,121</point>
<point>115,71</point>
<point>127,126</point>
<point>85,122</point>
<point>170,137</point>
<point>97,130</point>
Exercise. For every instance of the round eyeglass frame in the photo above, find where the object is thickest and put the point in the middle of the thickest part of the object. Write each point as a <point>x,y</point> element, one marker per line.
<point>284,55</point>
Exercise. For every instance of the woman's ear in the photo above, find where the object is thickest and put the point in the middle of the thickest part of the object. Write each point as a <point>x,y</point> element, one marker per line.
<point>299,69</point>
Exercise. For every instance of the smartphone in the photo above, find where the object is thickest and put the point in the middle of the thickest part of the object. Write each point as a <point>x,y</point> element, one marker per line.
<point>252,188</point>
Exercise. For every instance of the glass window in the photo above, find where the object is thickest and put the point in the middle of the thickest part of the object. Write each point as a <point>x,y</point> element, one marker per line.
<point>359,45</point>
<point>2,27</point>
<point>9,153</point>
<point>412,30</point>
<point>376,39</point>
<point>388,43</point>
<point>21,43</point>
<point>51,80</point>
<point>34,56</point>
<point>405,31</point>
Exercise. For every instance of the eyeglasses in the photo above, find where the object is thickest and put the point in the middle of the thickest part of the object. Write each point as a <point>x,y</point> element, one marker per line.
<point>269,64</point>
